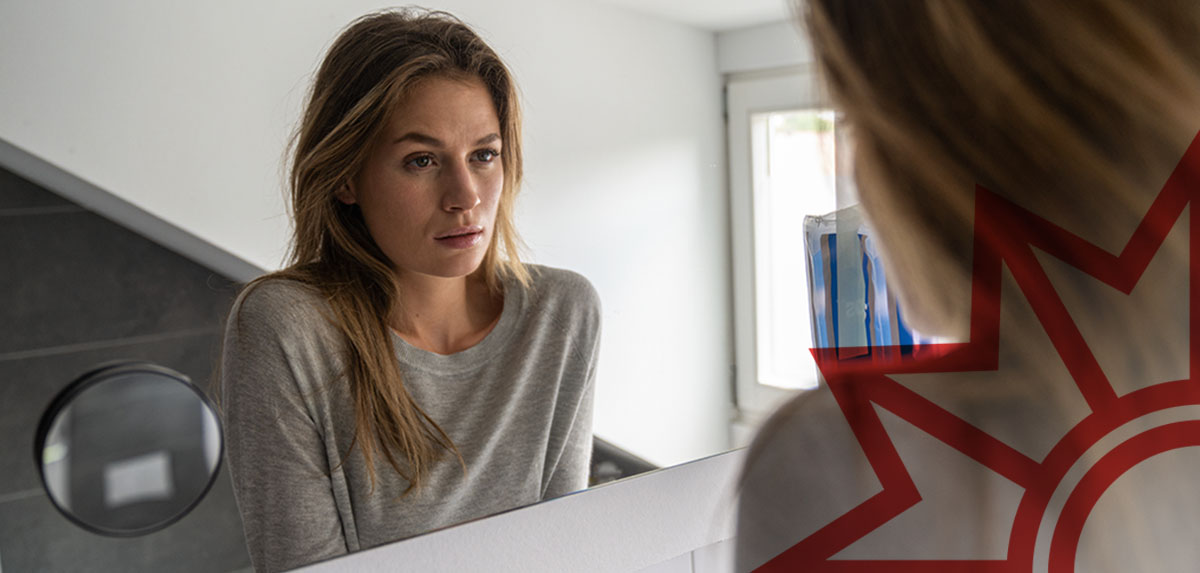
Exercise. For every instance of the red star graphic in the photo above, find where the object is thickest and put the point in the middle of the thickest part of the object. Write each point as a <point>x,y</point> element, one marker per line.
<point>1005,234</point>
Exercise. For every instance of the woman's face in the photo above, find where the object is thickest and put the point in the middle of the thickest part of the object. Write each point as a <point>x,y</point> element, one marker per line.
<point>430,186</point>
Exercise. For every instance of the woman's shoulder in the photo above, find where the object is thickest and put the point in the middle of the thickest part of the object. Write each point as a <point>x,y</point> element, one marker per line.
<point>810,436</point>
<point>806,467</point>
<point>802,470</point>
<point>551,285</point>
<point>795,433</point>
<point>278,303</point>
<point>562,306</point>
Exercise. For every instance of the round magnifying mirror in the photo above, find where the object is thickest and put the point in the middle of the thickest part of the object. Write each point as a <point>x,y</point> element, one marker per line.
<point>128,448</point>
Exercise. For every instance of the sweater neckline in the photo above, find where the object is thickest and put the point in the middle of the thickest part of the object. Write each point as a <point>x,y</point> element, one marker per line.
<point>475,356</point>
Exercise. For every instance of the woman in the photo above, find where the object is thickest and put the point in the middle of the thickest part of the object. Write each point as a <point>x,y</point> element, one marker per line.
<point>406,372</point>
<point>1075,113</point>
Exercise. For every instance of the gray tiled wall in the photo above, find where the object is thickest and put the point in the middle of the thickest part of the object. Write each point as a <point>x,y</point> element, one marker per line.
<point>80,290</point>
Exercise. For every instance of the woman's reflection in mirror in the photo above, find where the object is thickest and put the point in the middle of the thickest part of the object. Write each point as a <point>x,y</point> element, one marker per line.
<point>406,371</point>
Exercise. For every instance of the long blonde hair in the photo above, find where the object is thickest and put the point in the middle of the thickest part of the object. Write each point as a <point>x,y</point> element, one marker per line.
<point>369,68</point>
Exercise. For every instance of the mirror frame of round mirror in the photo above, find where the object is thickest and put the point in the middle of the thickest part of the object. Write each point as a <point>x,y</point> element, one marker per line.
<point>99,375</point>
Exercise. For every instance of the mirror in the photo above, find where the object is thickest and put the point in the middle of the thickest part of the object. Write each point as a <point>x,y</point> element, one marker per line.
<point>128,449</point>
<point>625,162</point>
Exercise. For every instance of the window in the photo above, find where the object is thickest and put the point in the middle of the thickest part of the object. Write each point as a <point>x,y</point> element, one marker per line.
<point>794,214</point>
<point>784,144</point>
<point>793,154</point>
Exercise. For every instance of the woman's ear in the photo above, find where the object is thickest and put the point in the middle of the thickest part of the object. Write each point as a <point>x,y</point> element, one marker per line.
<point>346,194</point>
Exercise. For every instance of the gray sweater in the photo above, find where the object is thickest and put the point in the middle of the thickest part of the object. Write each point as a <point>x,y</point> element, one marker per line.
<point>518,405</point>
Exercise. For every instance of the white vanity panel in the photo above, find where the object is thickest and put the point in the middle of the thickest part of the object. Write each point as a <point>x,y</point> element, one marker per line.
<point>648,520</point>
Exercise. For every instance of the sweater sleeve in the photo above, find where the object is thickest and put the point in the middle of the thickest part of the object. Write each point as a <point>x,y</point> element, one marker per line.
<point>277,456</point>
<point>571,470</point>
<point>570,474</point>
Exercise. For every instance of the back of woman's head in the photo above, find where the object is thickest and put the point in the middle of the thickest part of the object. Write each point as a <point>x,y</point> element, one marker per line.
<point>1075,110</point>
<point>370,67</point>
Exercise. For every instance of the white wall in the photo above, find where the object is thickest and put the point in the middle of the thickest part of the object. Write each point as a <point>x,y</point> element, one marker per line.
<point>769,46</point>
<point>183,109</point>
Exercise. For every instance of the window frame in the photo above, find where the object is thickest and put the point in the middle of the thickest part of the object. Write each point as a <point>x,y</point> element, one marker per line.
<point>747,95</point>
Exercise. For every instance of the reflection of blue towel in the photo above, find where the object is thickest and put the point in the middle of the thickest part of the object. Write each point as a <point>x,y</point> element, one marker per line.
<point>883,324</point>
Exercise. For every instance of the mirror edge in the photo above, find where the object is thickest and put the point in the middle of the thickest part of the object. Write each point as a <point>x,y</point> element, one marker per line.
<point>95,376</point>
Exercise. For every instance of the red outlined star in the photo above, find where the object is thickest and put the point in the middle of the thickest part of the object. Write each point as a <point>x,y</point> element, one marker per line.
<point>1005,234</point>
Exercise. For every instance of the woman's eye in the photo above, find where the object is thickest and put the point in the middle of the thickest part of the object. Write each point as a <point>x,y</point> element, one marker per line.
<point>421,161</point>
<point>486,155</point>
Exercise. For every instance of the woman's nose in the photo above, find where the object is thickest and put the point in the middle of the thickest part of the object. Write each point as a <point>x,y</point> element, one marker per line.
<point>459,192</point>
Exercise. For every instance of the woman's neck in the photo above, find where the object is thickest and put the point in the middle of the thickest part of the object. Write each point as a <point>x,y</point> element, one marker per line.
<point>444,315</point>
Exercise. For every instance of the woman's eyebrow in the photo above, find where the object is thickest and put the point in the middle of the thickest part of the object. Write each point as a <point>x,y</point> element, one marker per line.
<point>419,138</point>
<point>435,142</point>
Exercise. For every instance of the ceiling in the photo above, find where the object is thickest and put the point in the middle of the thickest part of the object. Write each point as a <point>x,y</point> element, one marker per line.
<point>714,15</point>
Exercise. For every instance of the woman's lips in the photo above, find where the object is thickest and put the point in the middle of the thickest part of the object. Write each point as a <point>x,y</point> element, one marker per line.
<point>461,238</point>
